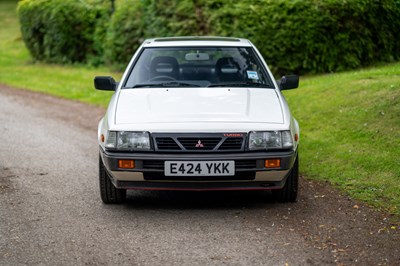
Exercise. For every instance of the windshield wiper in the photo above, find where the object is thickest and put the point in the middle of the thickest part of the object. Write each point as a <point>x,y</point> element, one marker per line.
<point>164,84</point>
<point>240,84</point>
<point>179,84</point>
<point>143,85</point>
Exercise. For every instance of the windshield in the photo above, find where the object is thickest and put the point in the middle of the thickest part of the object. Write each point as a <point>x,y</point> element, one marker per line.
<point>198,67</point>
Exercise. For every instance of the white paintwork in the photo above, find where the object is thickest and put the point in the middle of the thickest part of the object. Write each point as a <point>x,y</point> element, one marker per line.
<point>183,105</point>
<point>197,109</point>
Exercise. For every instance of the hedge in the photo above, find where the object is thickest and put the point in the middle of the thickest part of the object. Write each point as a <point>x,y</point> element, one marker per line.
<point>133,21</point>
<point>124,34</point>
<point>297,36</point>
<point>313,35</point>
<point>59,31</point>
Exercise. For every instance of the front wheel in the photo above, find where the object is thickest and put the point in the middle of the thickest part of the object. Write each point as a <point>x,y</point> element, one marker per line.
<point>289,192</point>
<point>109,193</point>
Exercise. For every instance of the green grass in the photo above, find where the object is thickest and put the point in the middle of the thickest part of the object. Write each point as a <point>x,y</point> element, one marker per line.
<point>350,122</point>
<point>18,69</point>
<point>350,125</point>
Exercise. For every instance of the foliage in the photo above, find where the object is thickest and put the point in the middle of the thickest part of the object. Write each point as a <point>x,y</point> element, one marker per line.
<point>133,21</point>
<point>312,35</point>
<point>173,18</point>
<point>125,33</point>
<point>59,31</point>
<point>299,36</point>
<point>102,23</point>
<point>17,69</point>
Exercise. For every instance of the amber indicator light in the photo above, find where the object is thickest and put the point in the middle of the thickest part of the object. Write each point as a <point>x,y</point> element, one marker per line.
<point>102,138</point>
<point>272,163</point>
<point>126,164</point>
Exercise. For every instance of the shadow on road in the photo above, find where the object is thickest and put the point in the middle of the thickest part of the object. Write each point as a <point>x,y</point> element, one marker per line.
<point>200,200</point>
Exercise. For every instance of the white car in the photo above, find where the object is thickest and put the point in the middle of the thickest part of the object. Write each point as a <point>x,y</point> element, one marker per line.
<point>198,113</point>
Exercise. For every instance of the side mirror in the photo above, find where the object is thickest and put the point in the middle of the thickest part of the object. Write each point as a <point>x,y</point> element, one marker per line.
<point>289,82</point>
<point>104,83</point>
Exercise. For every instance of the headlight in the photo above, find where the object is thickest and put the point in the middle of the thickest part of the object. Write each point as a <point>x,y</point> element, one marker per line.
<point>268,140</point>
<point>126,140</point>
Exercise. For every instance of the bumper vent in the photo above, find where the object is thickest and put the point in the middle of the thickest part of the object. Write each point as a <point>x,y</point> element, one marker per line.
<point>232,144</point>
<point>167,144</point>
<point>156,176</point>
<point>153,165</point>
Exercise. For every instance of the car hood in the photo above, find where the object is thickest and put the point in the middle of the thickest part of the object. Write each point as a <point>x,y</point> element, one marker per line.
<point>184,105</point>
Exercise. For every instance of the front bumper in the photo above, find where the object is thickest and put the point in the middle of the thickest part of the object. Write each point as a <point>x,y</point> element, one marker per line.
<point>148,174</point>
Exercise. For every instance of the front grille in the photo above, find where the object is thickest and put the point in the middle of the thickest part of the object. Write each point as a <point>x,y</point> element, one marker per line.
<point>232,144</point>
<point>167,144</point>
<point>199,143</point>
<point>191,142</point>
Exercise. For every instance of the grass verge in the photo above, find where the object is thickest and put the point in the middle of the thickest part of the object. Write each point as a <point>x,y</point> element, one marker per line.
<point>18,69</point>
<point>350,121</point>
<point>350,126</point>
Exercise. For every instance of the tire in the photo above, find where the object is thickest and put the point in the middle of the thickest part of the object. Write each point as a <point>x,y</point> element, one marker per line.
<point>289,192</point>
<point>109,193</point>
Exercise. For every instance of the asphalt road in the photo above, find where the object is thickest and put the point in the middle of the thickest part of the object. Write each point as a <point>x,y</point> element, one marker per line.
<point>51,212</point>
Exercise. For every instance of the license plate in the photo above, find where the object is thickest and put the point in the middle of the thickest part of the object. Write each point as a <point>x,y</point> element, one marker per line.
<point>199,168</point>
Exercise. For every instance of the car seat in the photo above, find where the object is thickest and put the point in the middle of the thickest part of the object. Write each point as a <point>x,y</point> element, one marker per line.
<point>164,66</point>
<point>228,70</point>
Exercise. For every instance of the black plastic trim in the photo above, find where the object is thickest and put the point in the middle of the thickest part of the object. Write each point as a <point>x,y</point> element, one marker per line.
<point>110,159</point>
<point>181,148</point>
<point>199,186</point>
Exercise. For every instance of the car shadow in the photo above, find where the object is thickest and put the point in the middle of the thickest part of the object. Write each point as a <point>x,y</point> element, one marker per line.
<point>199,200</point>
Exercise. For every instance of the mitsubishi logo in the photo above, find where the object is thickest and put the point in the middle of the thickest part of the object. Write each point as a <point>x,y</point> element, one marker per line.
<point>199,144</point>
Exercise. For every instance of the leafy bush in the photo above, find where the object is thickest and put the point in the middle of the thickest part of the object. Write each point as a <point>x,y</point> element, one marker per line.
<point>133,21</point>
<point>294,36</point>
<point>125,33</point>
<point>173,18</point>
<point>312,35</point>
<point>59,31</point>
<point>32,26</point>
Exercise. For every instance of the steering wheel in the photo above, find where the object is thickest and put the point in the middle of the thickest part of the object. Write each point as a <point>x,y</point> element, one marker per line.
<point>162,78</point>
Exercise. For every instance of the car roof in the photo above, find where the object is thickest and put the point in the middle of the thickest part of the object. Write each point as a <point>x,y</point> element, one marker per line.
<point>196,41</point>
